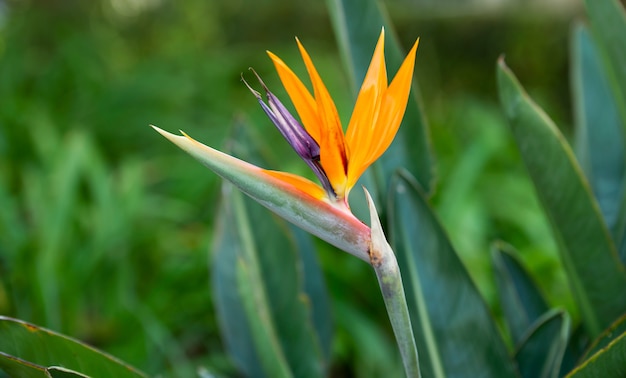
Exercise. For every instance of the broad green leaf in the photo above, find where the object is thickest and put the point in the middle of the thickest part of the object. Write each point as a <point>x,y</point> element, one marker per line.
<point>455,333</point>
<point>620,227</point>
<point>357,25</point>
<point>595,273</point>
<point>599,134</point>
<point>19,368</point>
<point>521,301</point>
<point>541,352</point>
<point>314,287</point>
<point>576,346</point>
<point>608,24</point>
<point>16,367</point>
<point>610,334</point>
<point>28,351</point>
<point>61,372</point>
<point>264,311</point>
<point>245,143</point>
<point>608,362</point>
<point>233,322</point>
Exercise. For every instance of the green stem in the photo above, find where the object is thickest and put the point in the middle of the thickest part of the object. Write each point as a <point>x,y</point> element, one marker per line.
<point>385,265</point>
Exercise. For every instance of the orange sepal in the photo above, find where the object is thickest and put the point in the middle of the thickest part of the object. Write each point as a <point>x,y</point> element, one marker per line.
<point>361,133</point>
<point>305,185</point>
<point>391,111</point>
<point>332,144</point>
<point>305,104</point>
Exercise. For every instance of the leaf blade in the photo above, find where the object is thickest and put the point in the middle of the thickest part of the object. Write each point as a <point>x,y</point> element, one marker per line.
<point>608,23</point>
<point>277,332</point>
<point>41,347</point>
<point>600,135</point>
<point>447,312</point>
<point>521,301</point>
<point>541,353</point>
<point>609,362</point>
<point>595,273</point>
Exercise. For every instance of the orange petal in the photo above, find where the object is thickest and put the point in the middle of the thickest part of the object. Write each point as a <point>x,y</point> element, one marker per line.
<point>300,183</point>
<point>360,134</point>
<point>332,145</point>
<point>389,118</point>
<point>300,97</point>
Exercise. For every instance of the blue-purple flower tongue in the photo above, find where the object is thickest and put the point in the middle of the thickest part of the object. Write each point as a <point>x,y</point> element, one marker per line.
<point>297,136</point>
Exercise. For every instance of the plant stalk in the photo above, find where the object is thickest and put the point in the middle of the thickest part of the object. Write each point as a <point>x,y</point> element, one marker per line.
<point>384,262</point>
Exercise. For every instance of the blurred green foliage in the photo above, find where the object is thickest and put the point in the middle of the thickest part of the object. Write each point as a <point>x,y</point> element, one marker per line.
<point>104,227</point>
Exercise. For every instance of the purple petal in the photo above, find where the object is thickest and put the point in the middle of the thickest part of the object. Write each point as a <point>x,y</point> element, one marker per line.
<point>297,136</point>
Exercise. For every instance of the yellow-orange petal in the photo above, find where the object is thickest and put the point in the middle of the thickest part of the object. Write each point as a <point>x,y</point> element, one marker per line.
<point>394,103</point>
<point>302,100</point>
<point>389,118</point>
<point>360,134</point>
<point>332,144</point>
<point>301,183</point>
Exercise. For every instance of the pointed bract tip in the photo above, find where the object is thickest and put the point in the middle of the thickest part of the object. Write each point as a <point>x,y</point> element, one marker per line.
<point>160,131</point>
<point>259,79</point>
<point>379,247</point>
<point>375,221</point>
<point>501,61</point>
<point>254,92</point>
<point>169,136</point>
<point>414,48</point>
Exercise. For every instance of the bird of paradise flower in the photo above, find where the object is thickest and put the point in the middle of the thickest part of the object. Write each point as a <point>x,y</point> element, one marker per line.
<point>337,159</point>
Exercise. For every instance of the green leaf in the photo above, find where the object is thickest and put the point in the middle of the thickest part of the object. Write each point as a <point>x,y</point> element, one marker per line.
<point>61,372</point>
<point>599,134</point>
<point>30,351</point>
<point>314,287</point>
<point>610,334</point>
<point>607,362</point>
<point>521,301</point>
<point>265,313</point>
<point>455,333</point>
<point>596,275</point>
<point>541,352</point>
<point>232,318</point>
<point>244,142</point>
<point>576,346</point>
<point>357,25</point>
<point>608,24</point>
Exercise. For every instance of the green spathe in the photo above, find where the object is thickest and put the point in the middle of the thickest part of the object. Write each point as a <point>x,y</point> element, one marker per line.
<point>338,227</point>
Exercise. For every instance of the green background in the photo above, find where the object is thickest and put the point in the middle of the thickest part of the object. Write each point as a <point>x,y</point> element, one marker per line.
<point>105,227</point>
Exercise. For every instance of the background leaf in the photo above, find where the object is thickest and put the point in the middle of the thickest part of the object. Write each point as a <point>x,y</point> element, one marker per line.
<point>38,348</point>
<point>521,301</point>
<point>608,23</point>
<point>269,290</point>
<point>455,333</point>
<point>599,133</point>
<point>541,353</point>
<point>596,275</point>
<point>609,362</point>
<point>610,334</point>
<point>277,312</point>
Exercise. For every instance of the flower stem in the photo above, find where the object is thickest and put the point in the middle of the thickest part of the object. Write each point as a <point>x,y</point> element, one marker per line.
<point>385,265</point>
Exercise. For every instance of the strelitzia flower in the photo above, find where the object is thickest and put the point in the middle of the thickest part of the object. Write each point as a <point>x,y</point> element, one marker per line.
<point>337,159</point>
